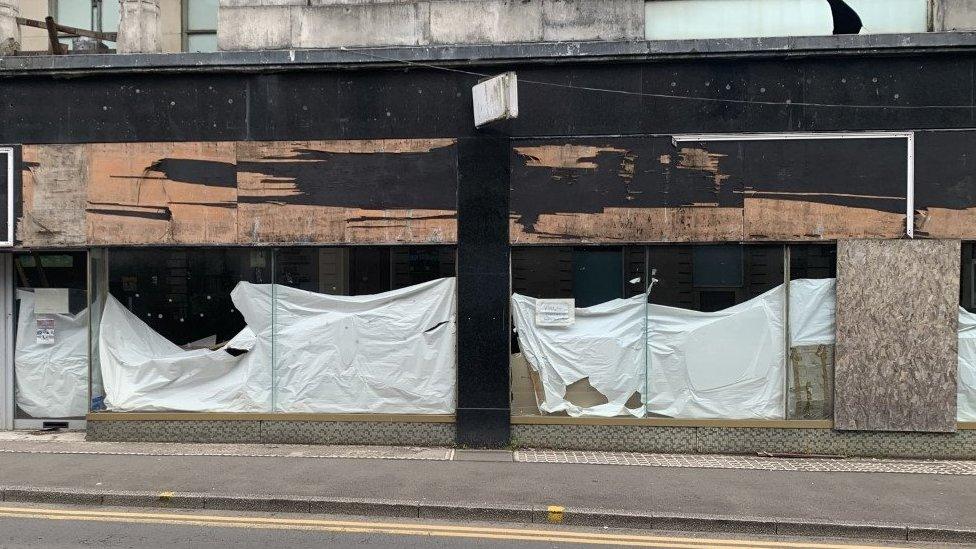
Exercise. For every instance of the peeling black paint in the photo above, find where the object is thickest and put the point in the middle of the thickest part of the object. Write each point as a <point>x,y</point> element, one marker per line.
<point>854,173</point>
<point>375,181</point>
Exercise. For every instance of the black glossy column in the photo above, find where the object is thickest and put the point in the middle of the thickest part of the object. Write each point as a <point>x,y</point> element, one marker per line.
<point>483,410</point>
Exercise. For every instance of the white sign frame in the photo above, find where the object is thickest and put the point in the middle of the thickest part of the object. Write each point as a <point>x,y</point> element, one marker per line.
<point>9,237</point>
<point>908,136</point>
<point>555,313</point>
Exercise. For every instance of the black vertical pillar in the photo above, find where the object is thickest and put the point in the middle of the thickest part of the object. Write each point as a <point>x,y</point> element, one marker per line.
<point>483,409</point>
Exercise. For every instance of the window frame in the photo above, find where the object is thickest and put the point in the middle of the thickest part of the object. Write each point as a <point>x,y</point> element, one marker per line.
<point>185,31</point>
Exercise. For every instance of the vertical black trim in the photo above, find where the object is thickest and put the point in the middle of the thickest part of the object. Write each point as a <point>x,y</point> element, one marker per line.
<point>484,409</point>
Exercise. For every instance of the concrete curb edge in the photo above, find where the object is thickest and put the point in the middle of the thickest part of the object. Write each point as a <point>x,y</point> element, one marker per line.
<point>529,514</point>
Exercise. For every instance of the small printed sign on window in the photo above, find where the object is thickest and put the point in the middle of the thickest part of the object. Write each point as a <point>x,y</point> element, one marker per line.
<point>555,312</point>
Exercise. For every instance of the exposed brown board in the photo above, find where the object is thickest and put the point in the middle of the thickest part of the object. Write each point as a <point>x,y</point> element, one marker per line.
<point>55,181</point>
<point>149,193</point>
<point>775,219</point>
<point>897,346</point>
<point>703,224</point>
<point>946,223</point>
<point>363,192</point>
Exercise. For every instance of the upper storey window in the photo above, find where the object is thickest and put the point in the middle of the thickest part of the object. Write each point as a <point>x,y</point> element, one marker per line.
<point>701,19</point>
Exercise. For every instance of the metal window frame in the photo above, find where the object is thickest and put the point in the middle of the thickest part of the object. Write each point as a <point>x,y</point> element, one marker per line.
<point>908,136</point>
<point>185,31</point>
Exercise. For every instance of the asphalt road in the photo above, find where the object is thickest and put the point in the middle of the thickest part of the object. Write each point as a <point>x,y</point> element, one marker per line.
<point>48,527</point>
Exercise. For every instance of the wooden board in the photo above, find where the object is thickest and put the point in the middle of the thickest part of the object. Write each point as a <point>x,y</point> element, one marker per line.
<point>55,181</point>
<point>381,191</point>
<point>896,351</point>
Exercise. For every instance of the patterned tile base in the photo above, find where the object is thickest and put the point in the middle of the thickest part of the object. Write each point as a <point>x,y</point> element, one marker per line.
<point>734,440</point>
<point>859,465</point>
<point>275,432</point>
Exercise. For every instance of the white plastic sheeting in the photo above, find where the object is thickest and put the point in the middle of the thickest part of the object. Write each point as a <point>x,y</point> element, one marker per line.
<point>966,388</point>
<point>51,378</point>
<point>391,353</point>
<point>604,344</point>
<point>145,372</point>
<point>813,307</point>
<point>728,364</point>
<point>386,353</point>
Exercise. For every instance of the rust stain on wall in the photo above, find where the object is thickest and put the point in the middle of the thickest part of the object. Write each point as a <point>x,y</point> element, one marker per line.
<point>634,225</point>
<point>772,219</point>
<point>577,157</point>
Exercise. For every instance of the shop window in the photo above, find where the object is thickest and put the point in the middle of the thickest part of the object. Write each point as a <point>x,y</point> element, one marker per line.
<point>709,340</point>
<point>701,19</point>
<point>320,330</point>
<point>50,337</point>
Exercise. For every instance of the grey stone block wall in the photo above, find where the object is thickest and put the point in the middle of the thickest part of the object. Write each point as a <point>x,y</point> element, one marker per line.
<point>288,24</point>
<point>953,15</point>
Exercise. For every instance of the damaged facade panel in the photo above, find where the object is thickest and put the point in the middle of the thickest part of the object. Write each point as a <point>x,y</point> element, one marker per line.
<point>382,191</point>
<point>54,185</point>
<point>650,189</point>
<point>945,184</point>
<point>150,193</point>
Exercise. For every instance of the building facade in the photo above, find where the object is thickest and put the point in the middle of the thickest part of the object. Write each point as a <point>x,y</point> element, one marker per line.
<point>692,238</point>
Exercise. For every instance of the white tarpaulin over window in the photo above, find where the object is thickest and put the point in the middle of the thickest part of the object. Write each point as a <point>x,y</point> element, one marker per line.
<point>967,367</point>
<point>390,353</point>
<point>51,376</point>
<point>605,343</point>
<point>387,353</point>
<point>145,372</point>
<point>728,364</point>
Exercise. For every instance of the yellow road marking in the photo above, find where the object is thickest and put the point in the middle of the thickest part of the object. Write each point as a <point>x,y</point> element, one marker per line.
<point>555,514</point>
<point>407,529</point>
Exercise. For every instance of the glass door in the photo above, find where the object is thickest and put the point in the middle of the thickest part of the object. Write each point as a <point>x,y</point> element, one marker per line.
<point>50,335</point>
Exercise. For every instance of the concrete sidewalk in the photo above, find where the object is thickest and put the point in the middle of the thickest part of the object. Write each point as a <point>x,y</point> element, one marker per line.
<point>901,506</point>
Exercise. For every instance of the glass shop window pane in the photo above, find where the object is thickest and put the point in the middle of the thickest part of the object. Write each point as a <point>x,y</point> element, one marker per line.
<point>50,335</point>
<point>111,13</point>
<point>810,373</point>
<point>365,330</point>
<point>589,364</point>
<point>201,42</point>
<point>75,13</point>
<point>201,14</point>
<point>184,329</point>
<point>966,404</point>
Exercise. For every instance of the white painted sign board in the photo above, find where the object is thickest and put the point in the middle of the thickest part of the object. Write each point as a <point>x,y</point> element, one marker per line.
<point>495,99</point>
<point>555,312</point>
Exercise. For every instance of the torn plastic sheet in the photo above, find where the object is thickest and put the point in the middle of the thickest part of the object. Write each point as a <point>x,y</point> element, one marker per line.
<point>391,353</point>
<point>145,372</point>
<point>604,344</point>
<point>728,364</point>
<point>386,353</point>
<point>966,388</point>
<point>51,378</point>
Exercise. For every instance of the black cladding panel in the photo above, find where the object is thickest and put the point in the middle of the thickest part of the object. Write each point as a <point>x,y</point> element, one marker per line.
<point>7,186</point>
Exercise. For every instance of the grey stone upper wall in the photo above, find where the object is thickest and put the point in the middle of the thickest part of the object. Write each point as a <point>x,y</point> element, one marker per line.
<point>953,15</point>
<point>293,24</point>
